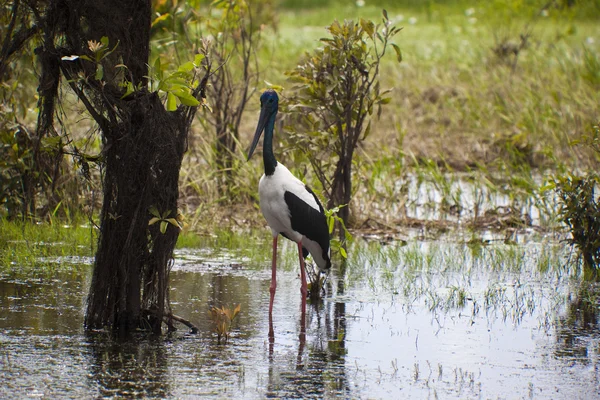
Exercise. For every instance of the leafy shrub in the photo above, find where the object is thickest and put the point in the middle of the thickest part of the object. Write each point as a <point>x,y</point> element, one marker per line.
<point>235,38</point>
<point>336,92</point>
<point>581,213</point>
<point>580,208</point>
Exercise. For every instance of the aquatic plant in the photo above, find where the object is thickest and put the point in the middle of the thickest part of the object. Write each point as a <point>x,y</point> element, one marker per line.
<point>222,319</point>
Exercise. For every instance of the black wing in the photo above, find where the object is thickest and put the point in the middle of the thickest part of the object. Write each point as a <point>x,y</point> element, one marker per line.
<point>308,221</point>
<point>304,250</point>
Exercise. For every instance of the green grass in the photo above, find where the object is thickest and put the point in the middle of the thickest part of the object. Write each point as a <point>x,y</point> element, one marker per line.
<point>511,281</point>
<point>251,244</point>
<point>38,248</point>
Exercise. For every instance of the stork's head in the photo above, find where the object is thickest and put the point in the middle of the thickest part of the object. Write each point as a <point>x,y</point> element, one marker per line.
<point>269,103</point>
<point>269,100</point>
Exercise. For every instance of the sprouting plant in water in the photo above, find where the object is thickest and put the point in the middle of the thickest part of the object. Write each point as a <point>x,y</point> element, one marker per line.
<point>315,278</point>
<point>222,319</point>
<point>457,297</point>
<point>580,207</point>
<point>333,218</point>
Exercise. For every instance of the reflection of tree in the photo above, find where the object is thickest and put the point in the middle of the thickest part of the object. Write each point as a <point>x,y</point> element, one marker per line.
<point>318,369</point>
<point>578,324</point>
<point>128,368</point>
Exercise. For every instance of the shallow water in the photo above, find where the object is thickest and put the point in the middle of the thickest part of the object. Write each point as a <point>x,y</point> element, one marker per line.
<point>427,320</point>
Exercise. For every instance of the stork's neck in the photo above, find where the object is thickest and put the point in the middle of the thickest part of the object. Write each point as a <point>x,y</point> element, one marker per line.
<point>268,157</point>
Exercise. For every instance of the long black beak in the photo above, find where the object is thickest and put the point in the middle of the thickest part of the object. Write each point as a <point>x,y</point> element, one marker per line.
<point>262,121</point>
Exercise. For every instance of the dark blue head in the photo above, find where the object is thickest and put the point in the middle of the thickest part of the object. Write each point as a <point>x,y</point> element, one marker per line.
<point>269,100</point>
<point>269,103</point>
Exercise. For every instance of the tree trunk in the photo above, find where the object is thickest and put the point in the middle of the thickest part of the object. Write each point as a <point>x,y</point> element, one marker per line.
<point>143,146</point>
<point>143,159</point>
<point>341,193</point>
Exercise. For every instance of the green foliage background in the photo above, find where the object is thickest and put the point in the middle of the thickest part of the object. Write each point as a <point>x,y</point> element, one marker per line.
<point>499,93</point>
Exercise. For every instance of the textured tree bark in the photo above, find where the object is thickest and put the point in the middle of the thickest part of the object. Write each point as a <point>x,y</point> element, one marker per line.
<point>143,159</point>
<point>143,147</point>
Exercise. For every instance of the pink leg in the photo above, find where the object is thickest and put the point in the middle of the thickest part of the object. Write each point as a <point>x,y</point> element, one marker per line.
<point>273,276</point>
<point>304,287</point>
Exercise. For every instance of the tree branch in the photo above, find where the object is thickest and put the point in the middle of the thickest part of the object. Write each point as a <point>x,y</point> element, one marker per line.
<point>171,317</point>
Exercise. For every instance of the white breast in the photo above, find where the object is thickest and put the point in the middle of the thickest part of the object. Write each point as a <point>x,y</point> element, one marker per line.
<point>271,190</point>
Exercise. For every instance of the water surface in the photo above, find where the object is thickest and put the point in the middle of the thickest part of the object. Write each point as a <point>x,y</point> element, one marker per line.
<point>426,320</point>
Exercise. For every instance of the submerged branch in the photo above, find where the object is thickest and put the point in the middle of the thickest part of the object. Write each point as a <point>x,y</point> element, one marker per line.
<point>172,317</point>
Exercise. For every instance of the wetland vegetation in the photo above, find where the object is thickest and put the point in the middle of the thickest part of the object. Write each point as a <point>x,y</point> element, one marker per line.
<point>473,221</point>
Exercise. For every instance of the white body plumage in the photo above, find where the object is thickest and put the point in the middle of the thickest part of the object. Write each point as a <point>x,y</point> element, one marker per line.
<point>276,210</point>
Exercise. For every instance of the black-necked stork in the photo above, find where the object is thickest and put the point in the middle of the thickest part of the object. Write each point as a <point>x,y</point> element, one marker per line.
<point>290,207</point>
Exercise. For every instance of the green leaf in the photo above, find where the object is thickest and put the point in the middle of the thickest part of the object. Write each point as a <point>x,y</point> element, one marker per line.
<point>175,83</point>
<point>160,18</point>
<point>547,187</point>
<point>163,226</point>
<point>367,131</point>
<point>335,28</point>
<point>53,142</point>
<point>277,88</point>
<point>198,59</point>
<point>343,252</point>
<point>171,102</point>
<point>153,220</point>
<point>157,68</point>
<point>173,222</point>
<point>154,211</point>
<point>347,235</point>
<point>104,41</point>
<point>398,52</point>
<point>186,67</point>
<point>368,26</point>
<point>48,144</point>
<point>186,98</point>
<point>99,72</point>
<point>129,90</point>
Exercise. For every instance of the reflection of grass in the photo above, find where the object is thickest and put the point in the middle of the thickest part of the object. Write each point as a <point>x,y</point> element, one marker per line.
<point>511,281</point>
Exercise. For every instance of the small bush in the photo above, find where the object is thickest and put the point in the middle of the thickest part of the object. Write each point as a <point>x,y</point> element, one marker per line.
<point>336,92</point>
<point>581,213</point>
